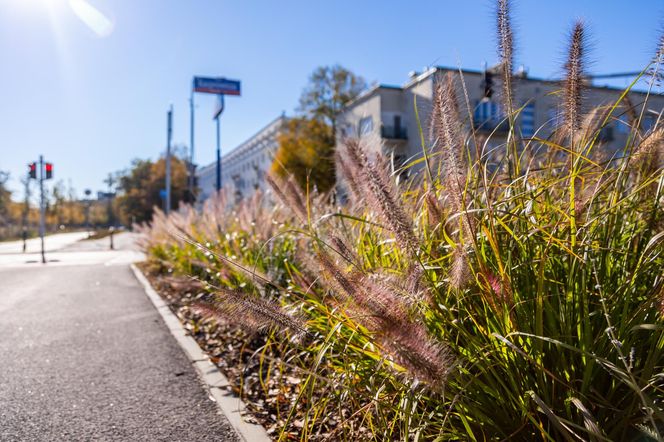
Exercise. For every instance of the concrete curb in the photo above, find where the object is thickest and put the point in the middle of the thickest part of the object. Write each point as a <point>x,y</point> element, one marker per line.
<point>230,405</point>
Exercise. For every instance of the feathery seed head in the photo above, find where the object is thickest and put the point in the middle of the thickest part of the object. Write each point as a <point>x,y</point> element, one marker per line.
<point>575,71</point>
<point>459,274</point>
<point>255,312</point>
<point>290,195</point>
<point>423,357</point>
<point>505,51</point>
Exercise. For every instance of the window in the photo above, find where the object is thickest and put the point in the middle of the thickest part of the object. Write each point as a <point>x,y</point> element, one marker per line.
<point>366,126</point>
<point>554,117</point>
<point>346,130</point>
<point>648,122</point>
<point>487,111</point>
<point>528,120</point>
<point>488,116</point>
<point>622,125</point>
<point>606,134</point>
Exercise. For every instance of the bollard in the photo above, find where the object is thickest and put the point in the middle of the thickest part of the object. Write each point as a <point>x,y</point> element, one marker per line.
<point>112,230</point>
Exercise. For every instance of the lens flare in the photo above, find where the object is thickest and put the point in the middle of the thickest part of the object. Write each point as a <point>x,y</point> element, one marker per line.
<point>92,17</point>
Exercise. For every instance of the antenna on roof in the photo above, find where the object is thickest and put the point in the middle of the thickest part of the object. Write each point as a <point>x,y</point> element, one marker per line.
<point>522,72</point>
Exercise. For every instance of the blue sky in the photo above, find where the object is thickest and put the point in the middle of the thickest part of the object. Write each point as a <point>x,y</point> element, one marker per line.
<point>93,103</point>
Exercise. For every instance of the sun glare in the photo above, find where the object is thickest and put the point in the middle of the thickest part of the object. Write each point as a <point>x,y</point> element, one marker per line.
<point>92,17</point>
<point>40,3</point>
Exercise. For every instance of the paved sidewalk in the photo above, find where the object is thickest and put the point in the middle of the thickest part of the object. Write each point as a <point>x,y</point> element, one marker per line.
<point>51,242</point>
<point>85,356</point>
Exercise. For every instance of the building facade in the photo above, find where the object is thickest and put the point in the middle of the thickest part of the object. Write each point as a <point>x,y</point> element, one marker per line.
<point>243,169</point>
<point>389,112</point>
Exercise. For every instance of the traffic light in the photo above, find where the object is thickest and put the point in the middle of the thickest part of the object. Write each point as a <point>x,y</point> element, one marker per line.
<point>487,84</point>
<point>32,170</point>
<point>49,171</point>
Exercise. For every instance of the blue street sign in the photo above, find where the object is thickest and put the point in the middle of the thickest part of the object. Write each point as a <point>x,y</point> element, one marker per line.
<point>209,85</point>
<point>162,193</point>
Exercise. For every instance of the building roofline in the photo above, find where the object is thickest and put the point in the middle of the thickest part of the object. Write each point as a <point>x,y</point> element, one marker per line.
<point>424,75</point>
<point>370,92</point>
<point>239,147</point>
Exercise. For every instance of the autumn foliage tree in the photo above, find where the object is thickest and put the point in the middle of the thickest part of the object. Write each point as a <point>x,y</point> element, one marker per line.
<point>139,189</point>
<point>306,151</point>
<point>306,146</point>
<point>329,89</point>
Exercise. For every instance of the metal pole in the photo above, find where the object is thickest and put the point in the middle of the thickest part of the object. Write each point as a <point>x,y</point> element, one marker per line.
<point>218,155</point>
<point>192,171</point>
<point>87,216</point>
<point>42,207</point>
<point>26,213</point>
<point>110,181</point>
<point>168,161</point>
<point>217,117</point>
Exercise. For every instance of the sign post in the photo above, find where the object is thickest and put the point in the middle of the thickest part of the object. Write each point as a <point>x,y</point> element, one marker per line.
<point>217,114</point>
<point>192,168</point>
<point>45,173</point>
<point>42,207</point>
<point>167,205</point>
<point>219,86</point>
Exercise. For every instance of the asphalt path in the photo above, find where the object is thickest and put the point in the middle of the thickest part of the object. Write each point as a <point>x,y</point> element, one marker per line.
<point>84,355</point>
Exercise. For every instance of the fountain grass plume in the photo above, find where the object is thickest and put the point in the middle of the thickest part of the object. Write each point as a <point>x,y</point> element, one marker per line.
<point>505,52</point>
<point>649,154</point>
<point>382,195</point>
<point>455,173</point>
<point>413,348</point>
<point>450,142</point>
<point>574,80</point>
<point>349,174</point>
<point>290,195</point>
<point>251,311</point>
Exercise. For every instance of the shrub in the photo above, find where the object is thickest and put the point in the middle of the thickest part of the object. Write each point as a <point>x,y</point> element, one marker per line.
<point>521,303</point>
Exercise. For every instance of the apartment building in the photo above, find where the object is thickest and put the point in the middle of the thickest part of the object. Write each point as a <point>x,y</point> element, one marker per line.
<point>243,169</point>
<point>389,112</point>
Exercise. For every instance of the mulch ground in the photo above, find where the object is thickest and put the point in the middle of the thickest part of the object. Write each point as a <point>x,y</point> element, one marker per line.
<point>260,374</point>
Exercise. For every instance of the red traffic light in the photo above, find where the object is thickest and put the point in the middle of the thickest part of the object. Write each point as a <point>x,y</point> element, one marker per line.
<point>49,171</point>
<point>32,170</point>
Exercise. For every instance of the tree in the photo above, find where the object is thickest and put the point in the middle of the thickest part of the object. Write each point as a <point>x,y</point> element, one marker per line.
<point>140,187</point>
<point>5,199</point>
<point>306,150</point>
<point>330,88</point>
<point>57,208</point>
<point>306,145</point>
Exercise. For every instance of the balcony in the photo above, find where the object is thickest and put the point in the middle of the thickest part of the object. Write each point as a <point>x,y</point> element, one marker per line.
<point>393,132</point>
